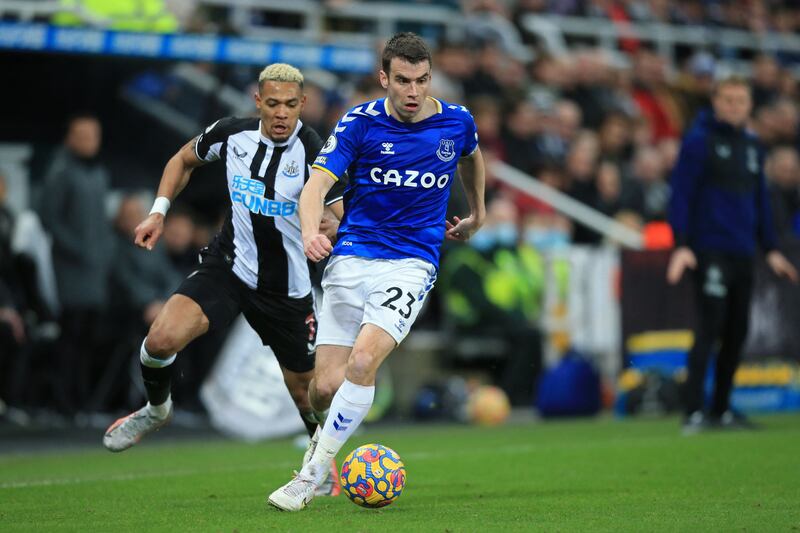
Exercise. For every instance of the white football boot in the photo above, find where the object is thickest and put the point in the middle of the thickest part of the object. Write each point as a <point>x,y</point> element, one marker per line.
<point>295,495</point>
<point>129,430</point>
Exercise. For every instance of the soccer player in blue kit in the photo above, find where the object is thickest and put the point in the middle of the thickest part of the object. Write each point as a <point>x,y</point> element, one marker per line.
<point>401,153</point>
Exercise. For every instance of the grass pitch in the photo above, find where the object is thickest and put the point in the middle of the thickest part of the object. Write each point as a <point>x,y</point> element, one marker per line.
<point>601,475</point>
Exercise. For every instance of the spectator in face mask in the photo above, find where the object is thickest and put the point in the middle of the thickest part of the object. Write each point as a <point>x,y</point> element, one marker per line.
<point>547,232</point>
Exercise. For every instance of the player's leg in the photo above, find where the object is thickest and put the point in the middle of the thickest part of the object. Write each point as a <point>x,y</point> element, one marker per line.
<point>298,386</point>
<point>733,337</point>
<point>353,399</point>
<point>328,375</point>
<point>394,293</point>
<point>206,299</point>
<point>710,301</point>
<point>288,327</point>
<point>350,405</point>
<point>180,321</point>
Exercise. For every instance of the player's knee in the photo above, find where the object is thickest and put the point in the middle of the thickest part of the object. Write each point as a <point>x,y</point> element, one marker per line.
<point>161,342</point>
<point>325,388</point>
<point>362,365</point>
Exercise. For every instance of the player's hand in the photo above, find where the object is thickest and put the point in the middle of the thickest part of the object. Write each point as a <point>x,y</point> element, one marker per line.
<point>317,247</point>
<point>329,226</point>
<point>681,259</point>
<point>149,231</point>
<point>151,311</point>
<point>10,316</point>
<point>461,229</point>
<point>781,266</point>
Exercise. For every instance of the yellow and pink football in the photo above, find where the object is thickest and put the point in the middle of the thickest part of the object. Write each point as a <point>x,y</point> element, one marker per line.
<point>373,476</point>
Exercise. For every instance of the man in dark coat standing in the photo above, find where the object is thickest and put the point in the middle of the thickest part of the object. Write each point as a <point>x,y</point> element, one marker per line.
<point>72,209</point>
<point>719,213</point>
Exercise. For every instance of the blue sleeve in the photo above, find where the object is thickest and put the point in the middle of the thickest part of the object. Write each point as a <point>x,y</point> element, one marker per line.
<point>470,136</point>
<point>342,147</point>
<point>684,180</point>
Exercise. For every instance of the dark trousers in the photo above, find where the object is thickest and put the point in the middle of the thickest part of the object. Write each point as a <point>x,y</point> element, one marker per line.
<point>723,290</point>
<point>78,351</point>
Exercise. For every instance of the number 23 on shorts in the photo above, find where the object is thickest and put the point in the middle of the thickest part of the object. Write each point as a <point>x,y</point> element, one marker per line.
<point>395,293</point>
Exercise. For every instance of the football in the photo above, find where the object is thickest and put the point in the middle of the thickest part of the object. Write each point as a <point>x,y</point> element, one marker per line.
<point>373,476</point>
<point>488,406</point>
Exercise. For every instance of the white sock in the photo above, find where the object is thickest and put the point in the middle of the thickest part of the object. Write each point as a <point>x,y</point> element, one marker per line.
<point>154,362</point>
<point>349,407</point>
<point>160,411</point>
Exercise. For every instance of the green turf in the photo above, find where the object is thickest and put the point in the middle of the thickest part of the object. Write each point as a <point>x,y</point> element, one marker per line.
<point>599,475</point>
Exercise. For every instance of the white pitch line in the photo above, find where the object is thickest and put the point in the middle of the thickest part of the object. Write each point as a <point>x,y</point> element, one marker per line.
<point>135,476</point>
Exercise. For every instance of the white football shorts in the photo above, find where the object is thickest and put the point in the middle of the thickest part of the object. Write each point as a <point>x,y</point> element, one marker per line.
<point>358,290</point>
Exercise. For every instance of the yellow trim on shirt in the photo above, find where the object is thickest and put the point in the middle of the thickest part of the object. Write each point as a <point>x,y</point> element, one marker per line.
<point>328,172</point>
<point>438,104</point>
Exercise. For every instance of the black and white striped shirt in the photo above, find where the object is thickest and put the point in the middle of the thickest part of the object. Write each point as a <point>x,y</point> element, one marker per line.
<point>261,237</point>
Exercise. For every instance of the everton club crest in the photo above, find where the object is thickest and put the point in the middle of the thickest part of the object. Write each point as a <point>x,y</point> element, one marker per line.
<point>447,150</point>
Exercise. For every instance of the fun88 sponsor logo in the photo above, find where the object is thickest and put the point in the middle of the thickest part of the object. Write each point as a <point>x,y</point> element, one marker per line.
<point>408,178</point>
<point>250,193</point>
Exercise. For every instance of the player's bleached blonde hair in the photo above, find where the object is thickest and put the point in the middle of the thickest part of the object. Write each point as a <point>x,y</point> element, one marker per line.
<point>280,72</point>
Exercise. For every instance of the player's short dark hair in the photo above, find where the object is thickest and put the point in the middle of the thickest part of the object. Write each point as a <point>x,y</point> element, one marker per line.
<point>407,46</point>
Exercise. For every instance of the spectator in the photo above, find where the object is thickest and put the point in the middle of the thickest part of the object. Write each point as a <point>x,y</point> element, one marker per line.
<point>615,137</point>
<point>520,137</point>
<point>766,80</point>
<point>549,77</point>
<point>648,177</point>
<point>315,108</point>
<point>454,65</point>
<point>143,278</point>
<point>592,90</point>
<point>488,119</point>
<point>653,97</point>
<point>783,174</point>
<point>547,231</point>
<point>559,129</point>
<point>765,125</point>
<point>609,188</point>
<point>786,121</point>
<point>581,167</point>
<point>179,232</point>
<point>695,82</point>
<point>483,81</point>
<point>72,209</point>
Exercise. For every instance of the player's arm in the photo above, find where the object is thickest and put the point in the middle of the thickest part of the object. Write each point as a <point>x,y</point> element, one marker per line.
<point>173,180</point>
<point>317,246</point>
<point>331,218</point>
<point>684,180</point>
<point>473,176</point>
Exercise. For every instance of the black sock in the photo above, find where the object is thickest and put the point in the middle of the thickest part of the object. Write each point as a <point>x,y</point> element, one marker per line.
<point>157,382</point>
<point>310,421</point>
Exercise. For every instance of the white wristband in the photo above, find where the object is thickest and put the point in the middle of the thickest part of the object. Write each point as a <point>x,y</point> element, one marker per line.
<point>161,205</point>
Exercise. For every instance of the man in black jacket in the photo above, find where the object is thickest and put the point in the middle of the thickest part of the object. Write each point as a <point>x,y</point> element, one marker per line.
<point>719,212</point>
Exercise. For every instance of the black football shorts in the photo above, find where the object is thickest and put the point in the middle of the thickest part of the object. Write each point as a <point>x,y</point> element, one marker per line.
<point>287,325</point>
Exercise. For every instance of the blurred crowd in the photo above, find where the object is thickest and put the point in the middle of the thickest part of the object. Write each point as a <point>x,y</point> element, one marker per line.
<point>65,350</point>
<point>601,126</point>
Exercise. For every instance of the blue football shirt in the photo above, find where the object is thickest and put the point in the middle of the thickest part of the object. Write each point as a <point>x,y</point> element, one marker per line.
<point>399,178</point>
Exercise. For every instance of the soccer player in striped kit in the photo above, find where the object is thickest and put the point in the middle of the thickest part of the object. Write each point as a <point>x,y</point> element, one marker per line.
<point>255,265</point>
